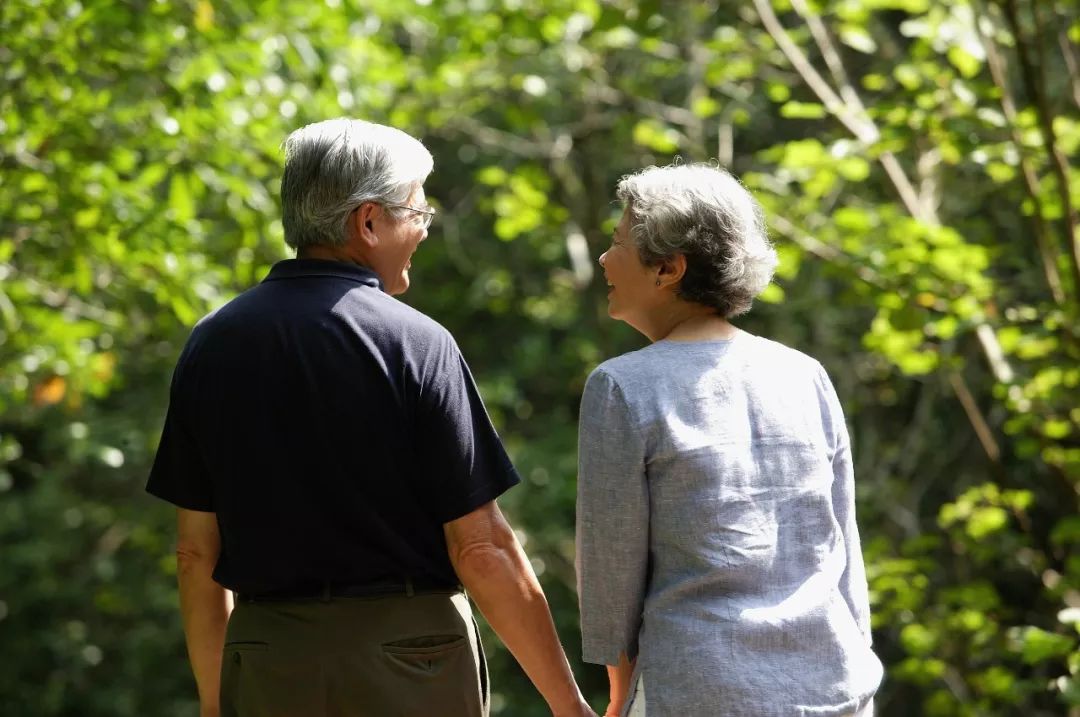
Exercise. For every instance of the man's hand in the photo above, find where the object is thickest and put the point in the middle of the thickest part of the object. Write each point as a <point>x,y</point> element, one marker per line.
<point>204,605</point>
<point>493,568</point>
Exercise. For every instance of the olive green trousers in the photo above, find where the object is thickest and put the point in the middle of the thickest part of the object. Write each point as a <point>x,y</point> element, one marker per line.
<point>398,656</point>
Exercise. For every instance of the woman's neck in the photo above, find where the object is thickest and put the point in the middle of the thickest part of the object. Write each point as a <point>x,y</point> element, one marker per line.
<point>685,321</point>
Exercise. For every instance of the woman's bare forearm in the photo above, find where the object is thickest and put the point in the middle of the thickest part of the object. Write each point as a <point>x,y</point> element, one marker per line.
<point>619,677</point>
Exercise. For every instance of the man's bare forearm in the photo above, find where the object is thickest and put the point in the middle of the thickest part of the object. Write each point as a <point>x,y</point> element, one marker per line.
<point>204,604</point>
<point>501,582</point>
<point>205,608</point>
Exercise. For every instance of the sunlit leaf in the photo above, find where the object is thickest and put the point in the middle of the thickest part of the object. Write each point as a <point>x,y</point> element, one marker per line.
<point>802,110</point>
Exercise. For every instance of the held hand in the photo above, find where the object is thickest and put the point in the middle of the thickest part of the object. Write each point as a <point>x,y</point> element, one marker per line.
<point>582,709</point>
<point>614,709</point>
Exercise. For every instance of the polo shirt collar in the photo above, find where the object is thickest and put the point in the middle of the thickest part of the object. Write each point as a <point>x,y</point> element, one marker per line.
<point>297,268</point>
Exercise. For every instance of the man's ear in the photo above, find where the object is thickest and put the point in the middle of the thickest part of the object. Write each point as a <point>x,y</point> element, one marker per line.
<point>363,223</point>
<point>672,270</point>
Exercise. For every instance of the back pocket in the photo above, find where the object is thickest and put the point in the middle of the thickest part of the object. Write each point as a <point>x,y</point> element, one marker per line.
<point>426,654</point>
<point>244,646</point>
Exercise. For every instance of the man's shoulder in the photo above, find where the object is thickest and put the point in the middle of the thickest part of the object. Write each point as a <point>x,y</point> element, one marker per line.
<point>399,319</point>
<point>410,317</point>
<point>222,315</point>
<point>395,328</point>
<point>365,304</point>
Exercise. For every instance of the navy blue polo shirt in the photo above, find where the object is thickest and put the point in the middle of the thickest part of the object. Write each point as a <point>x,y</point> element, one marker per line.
<point>331,428</point>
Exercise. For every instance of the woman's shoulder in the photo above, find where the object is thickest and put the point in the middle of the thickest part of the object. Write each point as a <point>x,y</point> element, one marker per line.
<point>631,365</point>
<point>775,355</point>
<point>665,365</point>
<point>744,348</point>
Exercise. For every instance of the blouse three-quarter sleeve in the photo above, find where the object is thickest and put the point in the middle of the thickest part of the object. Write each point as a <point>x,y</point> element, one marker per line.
<point>853,581</point>
<point>612,522</point>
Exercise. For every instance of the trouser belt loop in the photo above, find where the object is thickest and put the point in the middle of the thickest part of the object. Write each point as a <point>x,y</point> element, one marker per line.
<point>409,592</point>
<point>326,591</point>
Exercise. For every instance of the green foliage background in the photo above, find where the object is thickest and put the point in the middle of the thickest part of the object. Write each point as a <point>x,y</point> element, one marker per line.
<point>914,157</point>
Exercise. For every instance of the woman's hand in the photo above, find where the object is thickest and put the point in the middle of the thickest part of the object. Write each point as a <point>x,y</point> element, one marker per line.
<point>619,685</point>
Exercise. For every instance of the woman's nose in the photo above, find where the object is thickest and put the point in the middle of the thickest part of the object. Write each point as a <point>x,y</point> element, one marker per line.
<point>601,259</point>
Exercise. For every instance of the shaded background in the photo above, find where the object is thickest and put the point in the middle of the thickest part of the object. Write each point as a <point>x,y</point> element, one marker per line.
<point>914,158</point>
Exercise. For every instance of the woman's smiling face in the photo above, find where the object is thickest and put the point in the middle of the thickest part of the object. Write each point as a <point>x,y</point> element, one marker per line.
<point>632,290</point>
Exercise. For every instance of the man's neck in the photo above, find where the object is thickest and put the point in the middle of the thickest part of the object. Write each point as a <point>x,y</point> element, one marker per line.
<point>328,253</point>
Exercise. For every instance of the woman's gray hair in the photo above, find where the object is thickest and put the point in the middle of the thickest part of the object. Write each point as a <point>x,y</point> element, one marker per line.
<point>332,167</point>
<point>705,214</point>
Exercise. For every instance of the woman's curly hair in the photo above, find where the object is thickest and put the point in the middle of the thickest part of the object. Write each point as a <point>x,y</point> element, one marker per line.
<point>704,213</point>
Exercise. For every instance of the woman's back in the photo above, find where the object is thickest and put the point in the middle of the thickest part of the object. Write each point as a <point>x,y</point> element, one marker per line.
<point>731,459</point>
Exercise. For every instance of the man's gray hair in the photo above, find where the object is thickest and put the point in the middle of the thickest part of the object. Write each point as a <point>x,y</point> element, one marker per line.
<point>704,213</point>
<point>332,167</point>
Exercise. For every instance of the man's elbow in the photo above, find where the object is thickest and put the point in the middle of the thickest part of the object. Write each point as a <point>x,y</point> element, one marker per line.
<point>192,559</point>
<point>483,549</point>
<point>481,561</point>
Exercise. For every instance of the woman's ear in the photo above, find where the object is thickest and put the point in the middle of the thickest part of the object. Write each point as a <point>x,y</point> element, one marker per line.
<point>672,270</point>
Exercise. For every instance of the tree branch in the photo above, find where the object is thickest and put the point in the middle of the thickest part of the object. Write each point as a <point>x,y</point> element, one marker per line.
<point>975,416</point>
<point>855,119</point>
<point>1045,241</point>
<point>668,113</point>
<point>830,55</point>
<point>725,142</point>
<point>1071,63</point>
<point>1035,83</point>
<point>498,139</point>
<point>820,249</point>
<point>861,127</point>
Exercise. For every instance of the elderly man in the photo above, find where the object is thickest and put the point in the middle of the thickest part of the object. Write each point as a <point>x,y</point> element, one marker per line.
<point>334,468</point>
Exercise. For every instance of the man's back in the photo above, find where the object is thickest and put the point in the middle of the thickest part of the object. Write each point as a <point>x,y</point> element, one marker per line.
<point>315,403</point>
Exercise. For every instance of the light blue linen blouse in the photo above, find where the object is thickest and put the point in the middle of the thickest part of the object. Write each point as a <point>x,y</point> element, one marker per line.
<point>716,530</point>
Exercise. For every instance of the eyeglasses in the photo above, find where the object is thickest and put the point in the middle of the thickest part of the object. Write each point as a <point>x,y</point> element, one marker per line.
<point>427,214</point>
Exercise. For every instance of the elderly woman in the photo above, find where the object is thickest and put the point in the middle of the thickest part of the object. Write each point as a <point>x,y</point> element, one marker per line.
<point>719,564</point>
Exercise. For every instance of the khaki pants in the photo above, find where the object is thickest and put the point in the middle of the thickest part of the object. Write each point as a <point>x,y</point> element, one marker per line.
<point>354,657</point>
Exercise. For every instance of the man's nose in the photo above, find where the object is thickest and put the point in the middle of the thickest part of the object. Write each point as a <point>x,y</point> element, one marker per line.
<point>602,258</point>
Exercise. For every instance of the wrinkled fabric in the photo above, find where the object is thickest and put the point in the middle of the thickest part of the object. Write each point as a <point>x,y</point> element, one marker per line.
<point>716,532</point>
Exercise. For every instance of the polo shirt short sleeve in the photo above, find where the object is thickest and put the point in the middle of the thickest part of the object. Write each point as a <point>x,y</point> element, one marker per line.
<point>179,474</point>
<point>462,457</point>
